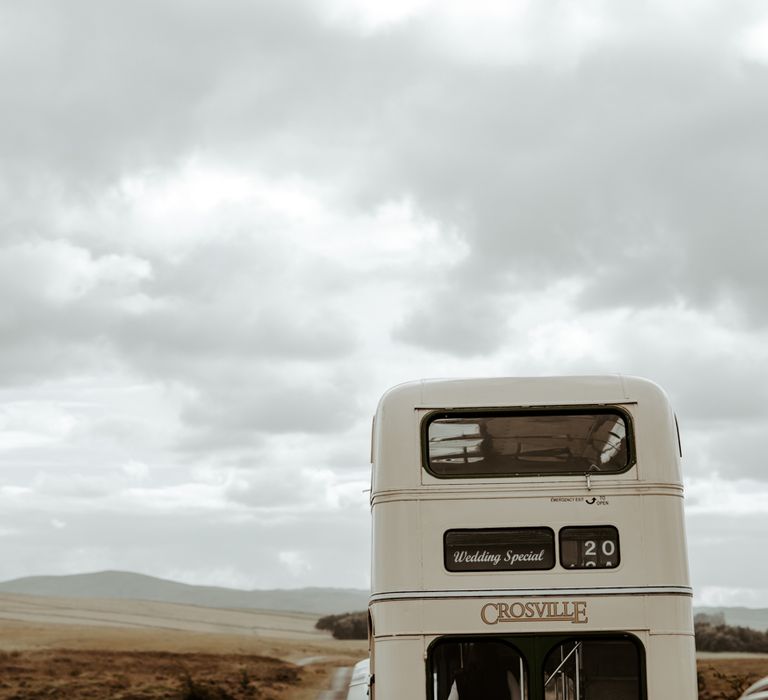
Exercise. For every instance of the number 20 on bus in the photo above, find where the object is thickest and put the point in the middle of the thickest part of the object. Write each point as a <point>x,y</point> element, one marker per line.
<point>528,543</point>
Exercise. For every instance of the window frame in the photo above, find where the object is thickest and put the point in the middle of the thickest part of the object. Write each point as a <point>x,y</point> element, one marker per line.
<point>501,412</point>
<point>472,638</point>
<point>605,637</point>
<point>534,648</point>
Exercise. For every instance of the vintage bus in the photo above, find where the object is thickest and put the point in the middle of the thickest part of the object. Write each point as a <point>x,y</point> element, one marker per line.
<point>529,543</point>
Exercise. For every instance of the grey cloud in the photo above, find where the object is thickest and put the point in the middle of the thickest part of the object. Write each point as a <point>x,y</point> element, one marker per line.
<point>235,326</point>
<point>710,382</point>
<point>111,86</point>
<point>733,449</point>
<point>638,171</point>
<point>38,357</point>
<point>237,406</point>
<point>297,487</point>
<point>271,492</point>
<point>232,298</point>
<point>344,451</point>
<point>456,321</point>
<point>72,486</point>
<point>216,330</point>
<point>170,546</point>
<point>639,184</point>
<point>246,293</point>
<point>720,545</point>
<point>548,171</point>
<point>353,452</point>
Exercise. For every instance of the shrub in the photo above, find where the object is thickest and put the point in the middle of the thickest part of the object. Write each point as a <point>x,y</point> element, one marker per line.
<point>726,638</point>
<point>345,626</point>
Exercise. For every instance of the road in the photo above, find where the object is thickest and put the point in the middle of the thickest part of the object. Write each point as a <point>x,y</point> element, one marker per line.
<point>339,685</point>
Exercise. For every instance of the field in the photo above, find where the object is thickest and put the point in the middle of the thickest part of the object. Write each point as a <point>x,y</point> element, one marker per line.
<point>725,676</point>
<point>65,673</point>
<point>132,650</point>
<point>220,674</point>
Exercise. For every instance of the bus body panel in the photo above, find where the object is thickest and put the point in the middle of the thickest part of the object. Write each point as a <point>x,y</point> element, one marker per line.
<point>400,671</point>
<point>672,659</point>
<point>425,616</point>
<point>408,538</point>
<point>662,614</point>
<point>396,539</point>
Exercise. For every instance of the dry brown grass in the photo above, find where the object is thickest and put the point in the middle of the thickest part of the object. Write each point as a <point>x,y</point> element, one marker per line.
<point>723,677</point>
<point>79,662</point>
<point>95,663</point>
<point>132,650</point>
<point>21,636</point>
<point>143,675</point>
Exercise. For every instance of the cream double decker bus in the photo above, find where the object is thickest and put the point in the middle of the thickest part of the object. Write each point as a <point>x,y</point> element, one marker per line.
<point>529,543</point>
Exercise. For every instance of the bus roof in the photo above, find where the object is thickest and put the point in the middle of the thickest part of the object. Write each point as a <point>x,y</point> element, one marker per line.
<point>396,447</point>
<point>515,392</point>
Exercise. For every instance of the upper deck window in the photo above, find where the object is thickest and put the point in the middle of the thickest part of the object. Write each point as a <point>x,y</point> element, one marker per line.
<point>528,443</point>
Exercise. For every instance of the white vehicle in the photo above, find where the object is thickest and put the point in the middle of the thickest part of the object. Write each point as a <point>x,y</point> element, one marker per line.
<point>528,543</point>
<point>358,684</point>
<point>757,691</point>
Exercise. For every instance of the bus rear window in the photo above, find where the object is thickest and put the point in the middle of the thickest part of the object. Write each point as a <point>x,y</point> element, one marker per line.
<point>540,443</point>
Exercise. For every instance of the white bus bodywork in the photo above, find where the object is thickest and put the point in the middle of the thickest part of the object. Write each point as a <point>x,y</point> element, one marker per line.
<point>563,627</point>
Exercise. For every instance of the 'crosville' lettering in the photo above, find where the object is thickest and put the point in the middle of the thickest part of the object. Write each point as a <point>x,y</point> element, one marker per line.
<point>574,611</point>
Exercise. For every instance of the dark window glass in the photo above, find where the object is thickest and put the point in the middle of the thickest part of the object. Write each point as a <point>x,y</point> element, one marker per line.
<point>467,444</point>
<point>477,670</point>
<point>593,669</point>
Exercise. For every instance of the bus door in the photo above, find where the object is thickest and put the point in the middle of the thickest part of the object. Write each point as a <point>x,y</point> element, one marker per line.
<point>537,667</point>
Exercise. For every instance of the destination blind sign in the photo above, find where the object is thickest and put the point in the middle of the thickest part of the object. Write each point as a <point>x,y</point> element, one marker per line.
<point>500,549</point>
<point>589,547</point>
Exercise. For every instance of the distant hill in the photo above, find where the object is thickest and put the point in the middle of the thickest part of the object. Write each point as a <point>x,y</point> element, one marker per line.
<point>756,618</point>
<point>122,584</point>
<point>323,601</point>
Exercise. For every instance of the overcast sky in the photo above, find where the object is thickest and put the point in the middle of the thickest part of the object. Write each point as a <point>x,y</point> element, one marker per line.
<point>227,226</point>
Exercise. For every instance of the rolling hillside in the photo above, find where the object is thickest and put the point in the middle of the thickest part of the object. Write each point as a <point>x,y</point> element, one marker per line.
<point>320,601</point>
<point>125,585</point>
<point>756,618</point>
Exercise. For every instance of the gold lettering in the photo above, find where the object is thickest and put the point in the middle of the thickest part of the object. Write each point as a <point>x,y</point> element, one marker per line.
<point>519,612</point>
<point>580,613</point>
<point>484,613</point>
<point>574,611</point>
